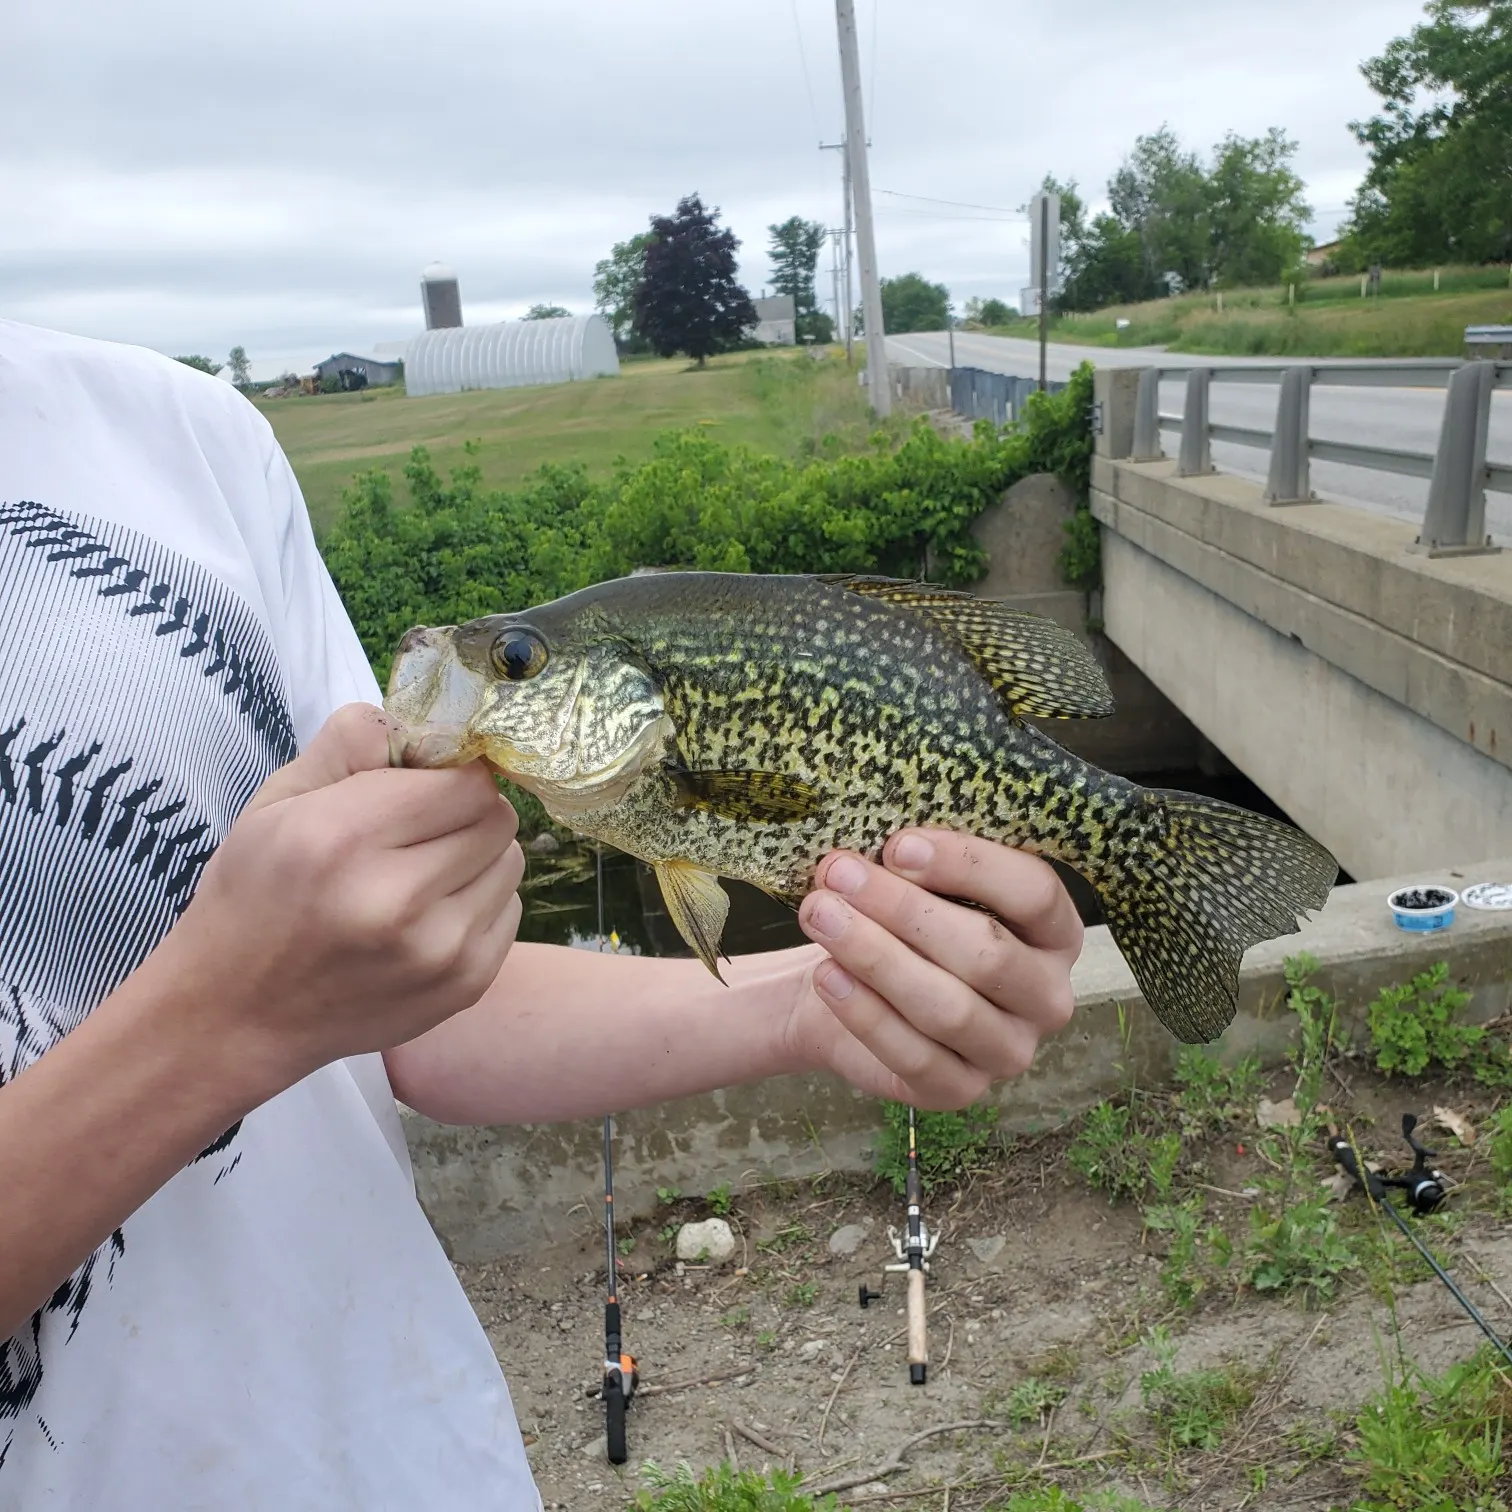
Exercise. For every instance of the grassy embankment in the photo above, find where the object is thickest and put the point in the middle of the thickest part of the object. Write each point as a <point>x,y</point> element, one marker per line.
<point>779,404</point>
<point>1329,319</point>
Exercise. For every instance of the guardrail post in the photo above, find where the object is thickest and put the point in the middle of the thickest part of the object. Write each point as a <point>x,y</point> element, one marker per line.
<point>1196,458</point>
<point>1147,418</point>
<point>1454,524</point>
<point>1288,482</point>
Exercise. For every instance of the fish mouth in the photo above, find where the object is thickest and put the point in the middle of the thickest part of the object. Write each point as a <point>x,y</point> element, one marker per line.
<point>434,698</point>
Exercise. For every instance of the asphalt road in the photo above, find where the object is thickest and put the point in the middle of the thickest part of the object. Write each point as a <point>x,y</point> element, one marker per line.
<point>1406,419</point>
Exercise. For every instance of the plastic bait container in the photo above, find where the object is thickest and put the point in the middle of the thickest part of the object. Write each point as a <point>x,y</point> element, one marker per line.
<point>1423,908</point>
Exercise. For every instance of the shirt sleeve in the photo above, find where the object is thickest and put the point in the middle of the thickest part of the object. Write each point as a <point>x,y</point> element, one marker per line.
<point>323,661</point>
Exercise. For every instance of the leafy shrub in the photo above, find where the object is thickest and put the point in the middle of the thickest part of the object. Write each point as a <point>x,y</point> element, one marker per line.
<point>1193,1408</point>
<point>462,551</point>
<point>1298,1248</point>
<point>1211,1095</point>
<point>950,1145</point>
<point>1412,1025</point>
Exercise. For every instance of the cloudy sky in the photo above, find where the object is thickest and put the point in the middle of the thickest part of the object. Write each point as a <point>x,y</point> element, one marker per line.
<point>189,176</point>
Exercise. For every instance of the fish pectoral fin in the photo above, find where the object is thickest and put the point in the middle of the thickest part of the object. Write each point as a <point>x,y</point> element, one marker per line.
<point>698,906</point>
<point>1037,668</point>
<point>752,797</point>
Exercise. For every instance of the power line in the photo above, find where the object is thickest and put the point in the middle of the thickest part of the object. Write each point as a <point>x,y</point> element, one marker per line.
<point>994,220</point>
<point>803,59</point>
<point>959,204</point>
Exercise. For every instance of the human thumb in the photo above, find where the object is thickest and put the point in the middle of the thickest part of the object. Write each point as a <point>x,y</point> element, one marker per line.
<point>354,739</point>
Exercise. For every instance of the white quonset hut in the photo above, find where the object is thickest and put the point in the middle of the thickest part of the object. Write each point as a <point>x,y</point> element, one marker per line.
<point>512,354</point>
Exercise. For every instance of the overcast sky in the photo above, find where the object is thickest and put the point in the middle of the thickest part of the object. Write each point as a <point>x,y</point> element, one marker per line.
<point>189,176</point>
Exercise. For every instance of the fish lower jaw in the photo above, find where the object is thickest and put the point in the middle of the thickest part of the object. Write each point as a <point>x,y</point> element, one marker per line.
<point>430,746</point>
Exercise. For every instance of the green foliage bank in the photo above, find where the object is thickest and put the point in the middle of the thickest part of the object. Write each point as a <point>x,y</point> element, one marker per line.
<point>903,508</point>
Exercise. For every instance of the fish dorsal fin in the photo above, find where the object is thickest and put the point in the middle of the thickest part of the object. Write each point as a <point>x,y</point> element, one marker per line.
<point>1037,668</point>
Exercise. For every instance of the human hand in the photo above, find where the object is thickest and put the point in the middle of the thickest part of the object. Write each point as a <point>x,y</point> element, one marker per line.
<point>351,907</point>
<point>922,1000</point>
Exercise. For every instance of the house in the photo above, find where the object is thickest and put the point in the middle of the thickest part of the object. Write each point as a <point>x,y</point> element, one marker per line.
<point>358,372</point>
<point>1323,257</point>
<point>776,322</point>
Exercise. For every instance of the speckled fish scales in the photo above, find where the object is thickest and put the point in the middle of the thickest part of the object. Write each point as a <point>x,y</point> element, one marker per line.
<point>734,725</point>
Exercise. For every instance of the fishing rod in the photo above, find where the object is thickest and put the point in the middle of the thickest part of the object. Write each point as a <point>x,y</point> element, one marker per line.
<point>621,1374</point>
<point>1426,1189</point>
<point>913,1248</point>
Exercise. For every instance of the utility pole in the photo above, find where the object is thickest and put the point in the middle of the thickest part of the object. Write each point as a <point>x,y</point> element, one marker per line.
<point>844,323</point>
<point>877,383</point>
<point>1043,278</point>
<point>834,237</point>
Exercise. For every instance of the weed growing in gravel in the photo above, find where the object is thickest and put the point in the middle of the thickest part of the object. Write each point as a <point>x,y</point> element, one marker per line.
<point>1299,1248</point>
<point>1499,1145</point>
<point>1436,1442</point>
<point>1210,1095</point>
<point>1414,1028</point>
<point>724,1489</point>
<point>1118,1153</point>
<point>720,1200</point>
<point>1184,1275</point>
<point>1027,1402</point>
<point>1317,1020</point>
<point>802,1294</point>
<point>1193,1409</point>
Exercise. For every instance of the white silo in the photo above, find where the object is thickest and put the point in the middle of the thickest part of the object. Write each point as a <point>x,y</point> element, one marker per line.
<point>441,297</point>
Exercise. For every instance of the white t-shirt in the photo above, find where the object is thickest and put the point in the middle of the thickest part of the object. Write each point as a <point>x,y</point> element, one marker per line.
<point>277,1328</point>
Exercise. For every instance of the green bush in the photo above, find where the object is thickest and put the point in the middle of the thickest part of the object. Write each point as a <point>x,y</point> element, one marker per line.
<point>1413,1025</point>
<point>904,509</point>
<point>1114,1152</point>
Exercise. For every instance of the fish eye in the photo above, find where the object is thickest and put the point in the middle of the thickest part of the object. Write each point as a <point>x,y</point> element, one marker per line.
<point>519,654</point>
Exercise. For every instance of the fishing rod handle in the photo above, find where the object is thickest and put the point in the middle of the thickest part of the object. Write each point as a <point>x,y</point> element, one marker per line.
<point>918,1334</point>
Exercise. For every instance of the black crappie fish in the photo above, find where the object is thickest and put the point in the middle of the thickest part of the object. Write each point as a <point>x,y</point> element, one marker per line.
<point>732,725</point>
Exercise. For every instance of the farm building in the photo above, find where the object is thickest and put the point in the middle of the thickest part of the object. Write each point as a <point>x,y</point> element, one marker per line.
<point>775,320</point>
<point>358,372</point>
<point>512,354</point>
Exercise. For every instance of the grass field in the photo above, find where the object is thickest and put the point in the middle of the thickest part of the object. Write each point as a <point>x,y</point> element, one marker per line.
<point>1329,319</point>
<point>779,404</point>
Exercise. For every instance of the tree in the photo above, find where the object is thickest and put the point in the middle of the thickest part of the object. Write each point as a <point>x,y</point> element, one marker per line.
<point>546,312</point>
<point>1107,266</point>
<point>794,254</point>
<point>615,280</point>
<point>241,369</point>
<point>1160,192</point>
<point>911,303</point>
<point>203,364</point>
<point>688,299</point>
<point>1255,210</point>
<point>1439,186</point>
<point>990,312</point>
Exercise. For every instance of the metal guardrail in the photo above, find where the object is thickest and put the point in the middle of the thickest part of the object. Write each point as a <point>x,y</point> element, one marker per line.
<point>1458,473</point>
<point>979,394</point>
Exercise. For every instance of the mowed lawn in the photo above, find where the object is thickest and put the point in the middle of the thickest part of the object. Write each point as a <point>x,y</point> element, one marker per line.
<point>775,403</point>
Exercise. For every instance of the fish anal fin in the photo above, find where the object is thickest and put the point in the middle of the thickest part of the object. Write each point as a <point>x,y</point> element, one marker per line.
<point>748,797</point>
<point>698,906</point>
<point>1037,668</point>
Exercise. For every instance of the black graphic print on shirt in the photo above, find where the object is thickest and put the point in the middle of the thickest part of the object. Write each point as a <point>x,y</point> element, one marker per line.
<point>141,706</point>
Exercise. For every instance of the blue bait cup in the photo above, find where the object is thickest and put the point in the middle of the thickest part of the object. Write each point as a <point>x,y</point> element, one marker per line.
<point>1423,909</point>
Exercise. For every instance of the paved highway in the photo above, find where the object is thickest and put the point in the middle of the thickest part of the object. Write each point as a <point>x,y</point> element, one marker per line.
<point>1404,419</point>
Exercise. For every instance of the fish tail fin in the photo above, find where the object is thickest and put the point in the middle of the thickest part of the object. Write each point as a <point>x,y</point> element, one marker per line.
<point>1188,885</point>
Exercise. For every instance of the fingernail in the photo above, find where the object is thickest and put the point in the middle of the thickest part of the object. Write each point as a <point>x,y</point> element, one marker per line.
<point>846,875</point>
<point>828,917</point>
<point>833,982</point>
<point>912,852</point>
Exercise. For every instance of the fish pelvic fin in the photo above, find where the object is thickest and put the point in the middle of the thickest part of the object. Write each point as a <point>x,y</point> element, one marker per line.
<point>1037,668</point>
<point>698,906</point>
<point>1190,885</point>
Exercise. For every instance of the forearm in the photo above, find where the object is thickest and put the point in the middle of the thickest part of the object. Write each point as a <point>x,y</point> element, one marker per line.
<point>567,1034</point>
<point>95,1126</point>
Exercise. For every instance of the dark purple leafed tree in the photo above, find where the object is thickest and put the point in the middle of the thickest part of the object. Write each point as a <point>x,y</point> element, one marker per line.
<point>689,299</point>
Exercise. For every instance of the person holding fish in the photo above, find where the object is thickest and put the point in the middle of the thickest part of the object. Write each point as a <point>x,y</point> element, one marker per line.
<point>244,907</point>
